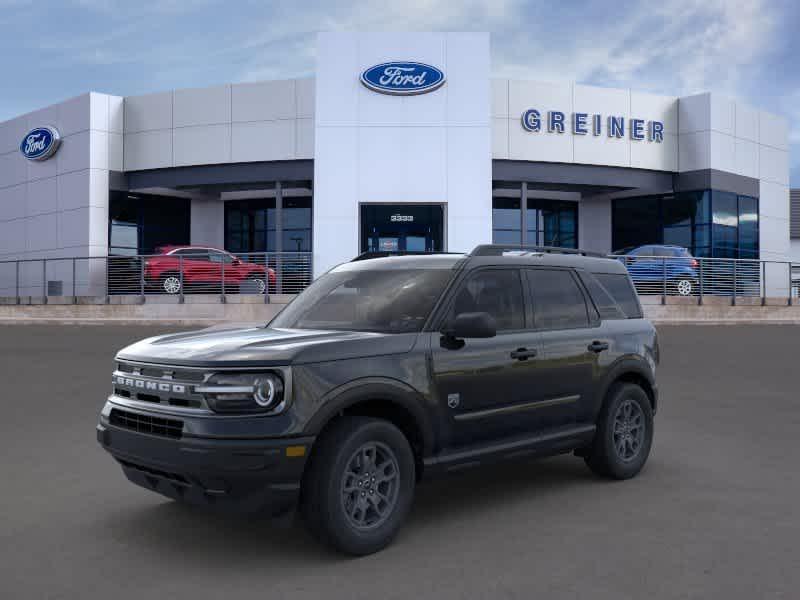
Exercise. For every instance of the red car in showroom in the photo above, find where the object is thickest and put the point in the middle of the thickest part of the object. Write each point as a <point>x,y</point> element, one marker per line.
<point>205,270</point>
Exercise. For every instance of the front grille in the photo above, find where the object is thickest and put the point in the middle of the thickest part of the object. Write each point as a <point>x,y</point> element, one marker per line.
<point>159,385</point>
<point>176,373</point>
<point>171,428</point>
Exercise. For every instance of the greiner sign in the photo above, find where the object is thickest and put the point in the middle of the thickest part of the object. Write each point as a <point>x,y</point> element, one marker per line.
<point>586,124</point>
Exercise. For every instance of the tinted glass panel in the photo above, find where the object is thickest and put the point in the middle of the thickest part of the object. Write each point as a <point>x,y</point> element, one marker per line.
<point>124,235</point>
<point>606,305</point>
<point>497,292</point>
<point>140,223</point>
<point>748,227</point>
<point>706,222</point>
<point>387,301</point>
<point>636,221</point>
<point>552,222</point>
<point>248,224</point>
<point>506,221</point>
<point>620,288</point>
<point>725,218</point>
<point>297,224</point>
<point>558,302</point>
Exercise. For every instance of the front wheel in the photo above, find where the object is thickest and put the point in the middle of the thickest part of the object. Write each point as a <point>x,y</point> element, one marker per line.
<point>171,283</point>
<point>359,485</point>
<point>624,433</point>
<point>259,285</point>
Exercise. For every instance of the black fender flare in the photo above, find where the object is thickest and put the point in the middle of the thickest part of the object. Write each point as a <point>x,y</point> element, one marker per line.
<point>624,366</point>
<point>375,388</point>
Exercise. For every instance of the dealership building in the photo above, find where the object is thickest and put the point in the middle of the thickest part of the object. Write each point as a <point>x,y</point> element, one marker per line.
<point>400,142</point>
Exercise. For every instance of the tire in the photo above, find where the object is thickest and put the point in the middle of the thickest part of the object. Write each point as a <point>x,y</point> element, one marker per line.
<point>622,455</point>
<point>170,283</point>
<point>332,498</point>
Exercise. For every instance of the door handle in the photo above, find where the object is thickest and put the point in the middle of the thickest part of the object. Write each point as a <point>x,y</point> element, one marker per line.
<point>598,346</point>
<point>523,354</point>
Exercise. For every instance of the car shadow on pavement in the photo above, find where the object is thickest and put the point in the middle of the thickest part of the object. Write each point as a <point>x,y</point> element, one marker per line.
<point>173,530</point>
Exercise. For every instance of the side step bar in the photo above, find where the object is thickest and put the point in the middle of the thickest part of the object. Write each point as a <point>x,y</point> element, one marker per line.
<point>554,441</point>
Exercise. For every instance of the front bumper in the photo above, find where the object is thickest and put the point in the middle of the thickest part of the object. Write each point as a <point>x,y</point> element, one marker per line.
<point>232,475</point>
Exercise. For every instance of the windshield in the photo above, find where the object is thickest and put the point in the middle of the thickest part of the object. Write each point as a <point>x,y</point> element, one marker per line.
<point>384,301</point>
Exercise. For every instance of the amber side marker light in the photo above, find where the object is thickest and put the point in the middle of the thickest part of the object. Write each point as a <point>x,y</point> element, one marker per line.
<point>295,451</point>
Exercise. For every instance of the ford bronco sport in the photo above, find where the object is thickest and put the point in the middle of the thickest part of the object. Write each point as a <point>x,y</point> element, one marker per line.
<point>386,370</point>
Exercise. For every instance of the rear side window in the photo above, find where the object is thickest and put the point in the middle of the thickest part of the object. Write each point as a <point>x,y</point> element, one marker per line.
<point>621,290</point>
<point>558,302</point>
<point>605,303</point>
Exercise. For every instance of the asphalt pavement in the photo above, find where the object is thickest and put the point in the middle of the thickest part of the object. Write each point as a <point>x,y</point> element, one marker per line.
<point>715,513</point>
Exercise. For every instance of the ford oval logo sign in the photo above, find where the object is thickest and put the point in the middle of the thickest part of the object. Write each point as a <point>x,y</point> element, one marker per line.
<point>402,78</point>
<point>40,143</point>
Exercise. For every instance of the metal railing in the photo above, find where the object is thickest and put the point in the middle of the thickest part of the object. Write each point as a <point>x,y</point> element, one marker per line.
<point>179,275</point>
<point>215,277</point>
<point>697,278</point>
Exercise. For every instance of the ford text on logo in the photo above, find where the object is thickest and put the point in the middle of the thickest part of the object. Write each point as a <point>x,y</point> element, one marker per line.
<point>402,78</point>
<point>555,121</point>
<point>40,143</point>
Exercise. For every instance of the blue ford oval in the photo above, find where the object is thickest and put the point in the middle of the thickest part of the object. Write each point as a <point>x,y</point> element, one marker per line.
<point>402,78</point>
<point>40,143</point>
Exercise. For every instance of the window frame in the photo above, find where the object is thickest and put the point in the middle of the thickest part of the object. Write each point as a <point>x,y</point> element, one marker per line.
<point>452,291</point>
<point>592,316</point>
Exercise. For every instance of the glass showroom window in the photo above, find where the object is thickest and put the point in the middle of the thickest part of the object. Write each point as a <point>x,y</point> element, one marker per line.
<point>141,223</point>
<point>506,212</point>
<point>545,222</point>
<point>297,224</point>
<point>123,225</point>
<point>279,222</point>
<point>706,222</point>
<point>250,225</point>
<point>687,221</point>
<point>552,223</point>
<point>748,227</point>
<point>296,216</point>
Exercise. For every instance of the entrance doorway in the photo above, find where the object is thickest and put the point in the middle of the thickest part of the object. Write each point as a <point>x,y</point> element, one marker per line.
<point>402,227</point>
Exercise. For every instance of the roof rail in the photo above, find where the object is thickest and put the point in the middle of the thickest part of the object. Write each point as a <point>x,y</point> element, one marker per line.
<point>500,249</point>
<point>384,253</point>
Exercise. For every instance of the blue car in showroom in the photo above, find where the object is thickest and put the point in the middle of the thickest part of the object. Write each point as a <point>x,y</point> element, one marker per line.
<point>654,265</point>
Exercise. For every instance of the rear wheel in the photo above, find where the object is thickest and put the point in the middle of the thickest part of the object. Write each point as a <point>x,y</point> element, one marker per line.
<point>684,287</point>
<point>624,433</point>
<point>359,485</point>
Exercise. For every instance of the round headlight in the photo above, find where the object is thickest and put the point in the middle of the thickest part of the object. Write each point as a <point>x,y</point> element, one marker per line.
<point>243,392</point>
<point>265,392</point>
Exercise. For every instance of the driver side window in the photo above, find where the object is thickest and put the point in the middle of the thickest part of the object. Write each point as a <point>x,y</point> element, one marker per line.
<point>494,291</point>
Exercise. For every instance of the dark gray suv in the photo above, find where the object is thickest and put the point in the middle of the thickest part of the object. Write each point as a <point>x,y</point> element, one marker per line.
<point>385,371</point>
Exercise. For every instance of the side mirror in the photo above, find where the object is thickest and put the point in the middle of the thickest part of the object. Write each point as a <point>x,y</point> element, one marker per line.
<point>471,325</point>
<point>236,261</point>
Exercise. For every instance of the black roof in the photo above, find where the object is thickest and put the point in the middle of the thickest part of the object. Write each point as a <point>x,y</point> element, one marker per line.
<point>493,254</point>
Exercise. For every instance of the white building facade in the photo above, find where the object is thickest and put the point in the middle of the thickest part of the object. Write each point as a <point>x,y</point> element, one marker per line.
<point>446,159</point>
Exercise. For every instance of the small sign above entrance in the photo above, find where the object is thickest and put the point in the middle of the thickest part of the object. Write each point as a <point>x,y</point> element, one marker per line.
<point>402,227</point>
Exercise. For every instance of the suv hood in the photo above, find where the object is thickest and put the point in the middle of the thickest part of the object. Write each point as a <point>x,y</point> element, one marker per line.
<point>263,346</point>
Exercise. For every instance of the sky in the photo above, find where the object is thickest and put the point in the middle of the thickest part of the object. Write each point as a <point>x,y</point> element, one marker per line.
<point>748,50</point>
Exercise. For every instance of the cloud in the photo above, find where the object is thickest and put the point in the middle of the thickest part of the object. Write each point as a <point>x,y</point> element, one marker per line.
<point>671,46</point>
<point>742,48</point>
